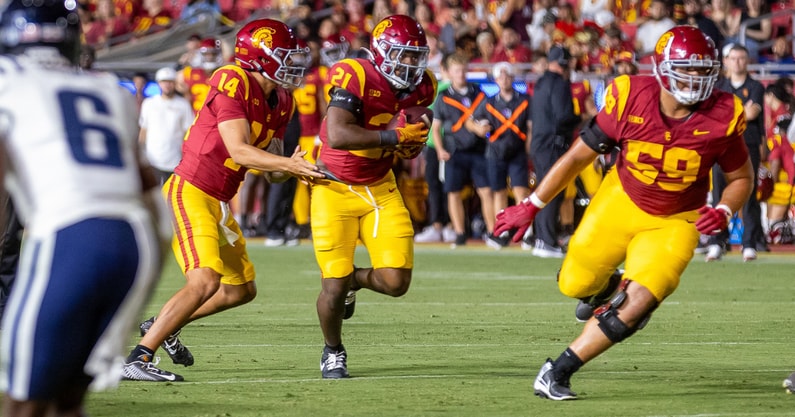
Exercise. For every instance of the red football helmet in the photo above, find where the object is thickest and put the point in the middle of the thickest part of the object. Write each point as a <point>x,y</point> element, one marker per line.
<point>209,55</point>
<point>269,47</point>
<point>678,53</point>
<point>333,49</point>
<point>400,50</point>
<point>302,44</point>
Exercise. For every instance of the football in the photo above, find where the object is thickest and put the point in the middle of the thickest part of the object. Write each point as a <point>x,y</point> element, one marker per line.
<point>410,115</point>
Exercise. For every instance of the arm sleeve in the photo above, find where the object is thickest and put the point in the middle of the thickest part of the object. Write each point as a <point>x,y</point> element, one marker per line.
<point>345,100</point>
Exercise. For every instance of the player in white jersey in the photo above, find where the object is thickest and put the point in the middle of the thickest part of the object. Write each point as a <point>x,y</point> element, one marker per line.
<point>93,243</point>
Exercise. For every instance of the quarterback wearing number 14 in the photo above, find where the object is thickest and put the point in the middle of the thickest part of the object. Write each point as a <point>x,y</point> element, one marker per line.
<point>648,213</point>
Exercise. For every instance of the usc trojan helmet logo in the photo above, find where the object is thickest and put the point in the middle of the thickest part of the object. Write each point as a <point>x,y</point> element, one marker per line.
<point>264,36</point>
<point>379,30</point>
<point>663,42</point>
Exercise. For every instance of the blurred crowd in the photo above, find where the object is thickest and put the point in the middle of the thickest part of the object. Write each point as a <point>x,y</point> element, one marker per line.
<point>601,39</point>
<point>596,31</point>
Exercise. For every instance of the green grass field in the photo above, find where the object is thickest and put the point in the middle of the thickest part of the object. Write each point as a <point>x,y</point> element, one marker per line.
<point>468,339</point>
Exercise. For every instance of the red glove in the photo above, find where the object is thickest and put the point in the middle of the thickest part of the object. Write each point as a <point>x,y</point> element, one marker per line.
<point>518,217</point>
<point>713,219</point>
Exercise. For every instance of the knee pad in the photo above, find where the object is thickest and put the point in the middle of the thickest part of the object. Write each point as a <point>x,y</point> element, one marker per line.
<point>607,316</point>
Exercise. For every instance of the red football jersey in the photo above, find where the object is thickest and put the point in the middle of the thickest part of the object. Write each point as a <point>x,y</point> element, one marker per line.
<point>198,82</point>
<point>782,150</point>
<point>579,95</point>
<point>306,102</point>
<point>664,165</point>
<point>234,94</point>
<point>771,118</point>
<point>379,105</point>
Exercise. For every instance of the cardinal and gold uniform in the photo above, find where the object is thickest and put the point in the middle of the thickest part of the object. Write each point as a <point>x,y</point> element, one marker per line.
<point>365,203</point>
<point>198,193</point>
<point>197,85</point>
<point>307,103</point>
<point>647,204</point>
<point>783,150</point>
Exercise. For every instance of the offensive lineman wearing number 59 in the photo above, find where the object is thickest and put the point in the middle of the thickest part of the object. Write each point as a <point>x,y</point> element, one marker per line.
<point>650,209</point>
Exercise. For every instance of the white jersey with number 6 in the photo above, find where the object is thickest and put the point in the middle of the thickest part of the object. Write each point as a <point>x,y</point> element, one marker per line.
<point>71,140</point>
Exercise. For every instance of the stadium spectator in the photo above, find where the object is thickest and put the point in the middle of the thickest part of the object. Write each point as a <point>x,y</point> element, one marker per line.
<point>543,39</point>
<point>554,122</point>
<point>154,18</point>
<point>486,44</point>
<point>327,28</point>
<point>382,9</point>
<point>127,9</point>
<point>541,26</point>
<point>567,21</point>
<point>648,220</point>
<point>514,14</point>
<point>758,32</point>
<point>510,48</point>
<point>453,27</point>
<point>781,53</point>
<point>219,149</point>
<point>435,55</point>
<point>694,16</point>
<point>426,19</point>
<point>625,64</point>
<point>360,202</point>
<point>751,92</point>
<point>459,148</point>
<point>352,20</point>
<point>726,18</point>
<point>196,10</point>
<point>592,10</point>
<point>163,121</point>
<point>650,30</point>
<point>93,242</point>
<point>503,120</point>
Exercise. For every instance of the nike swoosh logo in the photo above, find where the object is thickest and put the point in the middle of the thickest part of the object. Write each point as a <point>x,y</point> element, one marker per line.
<point>700,132</point>
<point>171,377</point>
<point>283,113</point>
<point>420,101</point>
<point>392,190</point>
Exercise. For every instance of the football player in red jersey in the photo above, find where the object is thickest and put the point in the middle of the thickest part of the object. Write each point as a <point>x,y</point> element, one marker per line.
<point>194,80</point>
<point>650,209</point>
<point>361,202</point>
<point>239,128</point>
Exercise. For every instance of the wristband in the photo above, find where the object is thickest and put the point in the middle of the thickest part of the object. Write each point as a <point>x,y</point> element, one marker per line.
<point>387,138</point>
<point>725,209</point>
<point>534,200</point>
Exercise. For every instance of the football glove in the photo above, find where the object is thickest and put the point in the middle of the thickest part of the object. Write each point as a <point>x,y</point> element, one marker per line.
<point>412,134</point>
<point>713,219</point>
<point>518,217</point>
